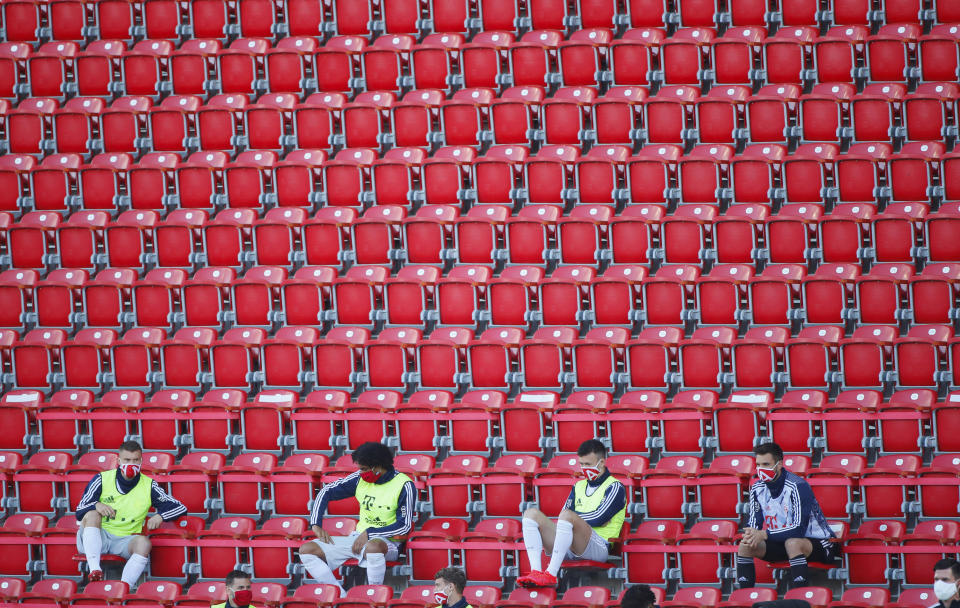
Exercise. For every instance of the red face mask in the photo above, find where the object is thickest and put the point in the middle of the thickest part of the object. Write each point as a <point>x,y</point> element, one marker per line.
<point>129,470</point>
<point>369,476</point>
<point>242,597</point>
<point>591,472</point>
<point>766,474</point>
<point>440,597</point>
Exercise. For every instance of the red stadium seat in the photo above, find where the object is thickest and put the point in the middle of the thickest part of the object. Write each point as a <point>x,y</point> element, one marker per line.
<point>918,567</point>
<point>735,53</point>
<point>643,567</point>
<point>771,112</point>
<point>788,53</point>
<point>634,57</point>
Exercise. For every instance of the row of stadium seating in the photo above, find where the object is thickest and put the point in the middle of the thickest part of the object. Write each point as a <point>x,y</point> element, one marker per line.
<point>676,487</point>
<point>672,489</point>
<point>483,421</point>
<point>728,116</point>
<point>470,299</point>
<point>553,359</point>
<point>592,58</point>
<point>163,19</point>
<point>272,595</point>
<point>554,181</point>
<point>852,244</point>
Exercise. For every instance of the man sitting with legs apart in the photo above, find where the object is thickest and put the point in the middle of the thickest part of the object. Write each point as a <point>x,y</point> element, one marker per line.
<point>785,522</point>
<point>591,517</point>
<point>112,511</point>
<point>386,499</point>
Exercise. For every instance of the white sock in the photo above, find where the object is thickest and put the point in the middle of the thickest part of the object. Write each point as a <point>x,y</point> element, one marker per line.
<point>533,542</point>
<point>133,569</point>
<point>319,570</point>
<point>92,546</point>
<point>376,568</point>
<point>561,544</point>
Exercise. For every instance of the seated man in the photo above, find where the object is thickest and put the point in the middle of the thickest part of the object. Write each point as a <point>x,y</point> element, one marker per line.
<point>448,586</point>
<point>112,511</point>
<point>592,516</point>
<point>239,594</point>
<point>386,499</point>
<point>785,522</point>
<point>946,576</point>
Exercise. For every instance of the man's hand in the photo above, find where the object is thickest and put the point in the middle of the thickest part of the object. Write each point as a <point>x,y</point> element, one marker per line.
<point>753,537</point>
<point>154,522</point>
<point>322,535</point>
<point>105,510</point>
<point>359,542</point>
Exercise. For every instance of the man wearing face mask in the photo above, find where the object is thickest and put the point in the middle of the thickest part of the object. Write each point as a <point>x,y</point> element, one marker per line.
<point>112,511</point>
<point>386,499</point>
<point>946,576</point>
<point>785,522</point>
<point>239,594</point>
<point>591,517</point>
<point>448,586</point>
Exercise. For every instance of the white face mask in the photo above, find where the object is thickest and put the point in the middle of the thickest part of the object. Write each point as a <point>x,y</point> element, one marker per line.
<point>944,590</point>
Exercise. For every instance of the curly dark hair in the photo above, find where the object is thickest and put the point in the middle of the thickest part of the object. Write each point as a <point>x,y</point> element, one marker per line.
<point>373,454</point>
<point>638,596</point>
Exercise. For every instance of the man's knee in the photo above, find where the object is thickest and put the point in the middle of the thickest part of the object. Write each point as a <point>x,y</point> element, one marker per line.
<point>534,514</point>
<point>375,545</point>
<point>798,546</point>
<point>141,546</point>
<point>312,548</point>
<point>91,519</point>
<point>569,516</point>
<point>745,550</point>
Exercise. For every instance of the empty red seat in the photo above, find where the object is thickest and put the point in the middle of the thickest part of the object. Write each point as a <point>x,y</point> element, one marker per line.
<point>788,53</point>
<point>938,53</point>
<point>653,535</point>
<point>669,114</point>
<point>926,111</point>
<point>720,113</point>
<point>634,57</point>
<point>771,112</point>
<point>737,51</point>
<point>686,54</point>
<point>838,52</point>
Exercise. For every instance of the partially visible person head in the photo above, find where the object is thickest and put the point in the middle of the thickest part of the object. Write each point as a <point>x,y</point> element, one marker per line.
<point>130,457</point>
<point>448,585</point>
<point>238,588</point>
<point>769,461</point>
<point>592,455</point>
<point>946,575</point>
<point>638,596</point>
<point>374,459</point>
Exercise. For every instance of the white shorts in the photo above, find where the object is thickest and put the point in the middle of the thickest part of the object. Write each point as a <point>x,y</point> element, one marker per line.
<point>341,549</point>
<point>598,549</point>
<point>112,544</point>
